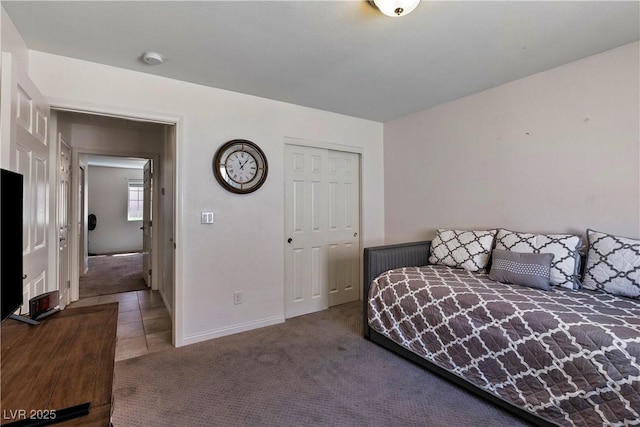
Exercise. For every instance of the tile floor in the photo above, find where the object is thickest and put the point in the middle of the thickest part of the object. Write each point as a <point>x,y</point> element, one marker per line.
<point>144,325</point>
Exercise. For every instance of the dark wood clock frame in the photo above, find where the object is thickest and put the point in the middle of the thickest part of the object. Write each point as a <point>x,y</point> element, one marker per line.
<point>219,165</point>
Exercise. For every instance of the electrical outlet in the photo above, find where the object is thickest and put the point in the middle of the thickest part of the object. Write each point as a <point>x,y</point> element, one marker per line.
<point>237,297</point>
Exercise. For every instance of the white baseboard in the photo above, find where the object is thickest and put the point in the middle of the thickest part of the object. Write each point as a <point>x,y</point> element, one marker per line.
<point>166,304</point>
<point>217,333</point>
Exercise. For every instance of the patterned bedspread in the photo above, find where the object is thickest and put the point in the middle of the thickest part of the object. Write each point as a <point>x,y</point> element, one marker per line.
<point>570,357</point>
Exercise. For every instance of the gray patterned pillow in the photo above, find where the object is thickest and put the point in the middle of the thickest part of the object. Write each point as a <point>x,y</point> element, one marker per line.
<point>462,249</point>
<point>523,269</point>
<point>613,264</point>
<point>564,247</point>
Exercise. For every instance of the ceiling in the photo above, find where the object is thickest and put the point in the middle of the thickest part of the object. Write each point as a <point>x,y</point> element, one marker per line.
<point>340,56</point>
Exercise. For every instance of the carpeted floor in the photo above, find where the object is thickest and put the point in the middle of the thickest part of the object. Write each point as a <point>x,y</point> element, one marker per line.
<point>314,370</point>
<point>112,274</point>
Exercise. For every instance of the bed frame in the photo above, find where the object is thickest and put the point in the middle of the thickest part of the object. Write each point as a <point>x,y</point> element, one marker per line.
<point>379,259</point>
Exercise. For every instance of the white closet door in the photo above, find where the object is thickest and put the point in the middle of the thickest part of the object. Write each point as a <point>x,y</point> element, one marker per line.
<point>322,212</point>
<point>344,227</point>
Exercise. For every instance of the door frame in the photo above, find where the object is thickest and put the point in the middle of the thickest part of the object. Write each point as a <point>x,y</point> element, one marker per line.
<point>65,296</point>
<point>177,121</point>
<point>147,225</point>
<point>288,140</point>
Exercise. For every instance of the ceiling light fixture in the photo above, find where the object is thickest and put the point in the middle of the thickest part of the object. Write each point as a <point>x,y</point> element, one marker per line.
<point>152,58</point>
<point>396,8</point>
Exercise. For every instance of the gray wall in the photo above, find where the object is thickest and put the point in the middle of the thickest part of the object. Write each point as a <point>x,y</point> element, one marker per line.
<point>554,152</point>
<point>108,201</point>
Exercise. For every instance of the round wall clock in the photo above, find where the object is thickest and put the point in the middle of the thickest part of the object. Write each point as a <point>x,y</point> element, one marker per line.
<point>240,166</point>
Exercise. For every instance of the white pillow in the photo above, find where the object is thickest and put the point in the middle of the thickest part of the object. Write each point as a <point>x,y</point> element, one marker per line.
<point>564,247</point>
<point>462,249</point>
<point>613,264</point>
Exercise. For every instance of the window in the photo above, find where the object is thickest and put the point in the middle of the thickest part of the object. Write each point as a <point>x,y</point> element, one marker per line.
<point>135,201</point>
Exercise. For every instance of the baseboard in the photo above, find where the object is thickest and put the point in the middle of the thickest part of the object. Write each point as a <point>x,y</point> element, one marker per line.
<point>243,327</point>
<point>166,304</point>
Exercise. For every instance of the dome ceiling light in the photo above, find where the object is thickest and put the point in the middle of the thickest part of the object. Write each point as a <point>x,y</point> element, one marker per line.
<point>395,8</point>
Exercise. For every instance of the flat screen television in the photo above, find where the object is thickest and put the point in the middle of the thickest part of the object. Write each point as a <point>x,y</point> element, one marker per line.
<point>11,197</point>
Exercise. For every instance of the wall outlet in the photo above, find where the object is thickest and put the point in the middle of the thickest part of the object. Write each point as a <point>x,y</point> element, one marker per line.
<point>237,297</point>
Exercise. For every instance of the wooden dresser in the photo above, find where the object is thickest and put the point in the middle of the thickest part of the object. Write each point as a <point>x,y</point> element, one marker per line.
<point>64,362</point>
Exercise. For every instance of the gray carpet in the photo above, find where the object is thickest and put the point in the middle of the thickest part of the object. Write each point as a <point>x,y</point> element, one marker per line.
<point>112,274</point>
<point>314,370</point>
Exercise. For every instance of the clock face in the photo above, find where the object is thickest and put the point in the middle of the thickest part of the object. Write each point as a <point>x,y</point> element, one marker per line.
<point>240,166</point>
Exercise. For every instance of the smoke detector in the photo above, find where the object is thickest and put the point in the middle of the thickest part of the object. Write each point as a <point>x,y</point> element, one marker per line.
<point>152,58</point>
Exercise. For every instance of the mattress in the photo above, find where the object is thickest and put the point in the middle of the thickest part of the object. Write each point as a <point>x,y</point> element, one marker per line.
<point>571,357</point>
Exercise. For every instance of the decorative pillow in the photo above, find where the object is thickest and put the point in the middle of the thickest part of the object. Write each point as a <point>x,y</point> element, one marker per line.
<point>613,264</point>
<point>525,269</point>
<point>462,249</point>
<point>564,247</point>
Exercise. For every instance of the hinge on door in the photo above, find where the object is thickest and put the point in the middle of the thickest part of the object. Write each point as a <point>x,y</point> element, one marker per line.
<point>149,272</point>
<point>68,284</point>
<point>149,223</point>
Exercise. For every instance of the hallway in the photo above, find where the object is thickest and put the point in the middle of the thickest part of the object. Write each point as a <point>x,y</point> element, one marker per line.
<point>144,325</point>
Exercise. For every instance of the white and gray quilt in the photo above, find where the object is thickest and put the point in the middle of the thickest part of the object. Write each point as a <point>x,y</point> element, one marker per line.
<point>571,357</point>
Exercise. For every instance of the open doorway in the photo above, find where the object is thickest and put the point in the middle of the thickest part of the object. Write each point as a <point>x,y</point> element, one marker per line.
<point>119,193</point>
<point>122,223</point>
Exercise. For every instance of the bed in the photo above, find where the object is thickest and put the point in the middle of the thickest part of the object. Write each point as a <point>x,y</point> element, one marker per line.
<point>559,357</point>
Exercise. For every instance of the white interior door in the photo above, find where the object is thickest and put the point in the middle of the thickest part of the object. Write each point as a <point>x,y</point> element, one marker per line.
<point>64,221</point>
<point>26,113</point>
<point>322,211</point>
<point>83,260</point>
<point>146,224</point>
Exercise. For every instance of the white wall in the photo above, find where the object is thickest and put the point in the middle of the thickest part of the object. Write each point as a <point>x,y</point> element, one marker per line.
<point>244,249</point>
<point>108,189</point>
<point>554,152</point>
<point>11,42</point>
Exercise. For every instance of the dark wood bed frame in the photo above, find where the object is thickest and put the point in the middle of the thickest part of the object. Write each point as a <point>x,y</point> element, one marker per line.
<point>379,259</point>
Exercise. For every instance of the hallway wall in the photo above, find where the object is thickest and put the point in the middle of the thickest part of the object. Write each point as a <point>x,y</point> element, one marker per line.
<point>114,233</point>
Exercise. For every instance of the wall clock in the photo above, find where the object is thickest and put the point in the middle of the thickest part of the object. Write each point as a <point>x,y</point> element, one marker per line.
<point>240,166</point>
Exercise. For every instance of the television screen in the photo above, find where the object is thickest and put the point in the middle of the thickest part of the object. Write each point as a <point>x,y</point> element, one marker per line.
<point>11,248</point>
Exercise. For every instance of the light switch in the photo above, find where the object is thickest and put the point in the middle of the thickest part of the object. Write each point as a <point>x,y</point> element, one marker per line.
<point>206,218</point>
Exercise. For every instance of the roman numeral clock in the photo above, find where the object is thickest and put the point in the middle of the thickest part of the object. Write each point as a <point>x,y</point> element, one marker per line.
<point>240,166</point>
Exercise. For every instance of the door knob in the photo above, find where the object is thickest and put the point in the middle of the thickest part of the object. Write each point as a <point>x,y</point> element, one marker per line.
<point>289,240</point>
<point>355,234</point>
